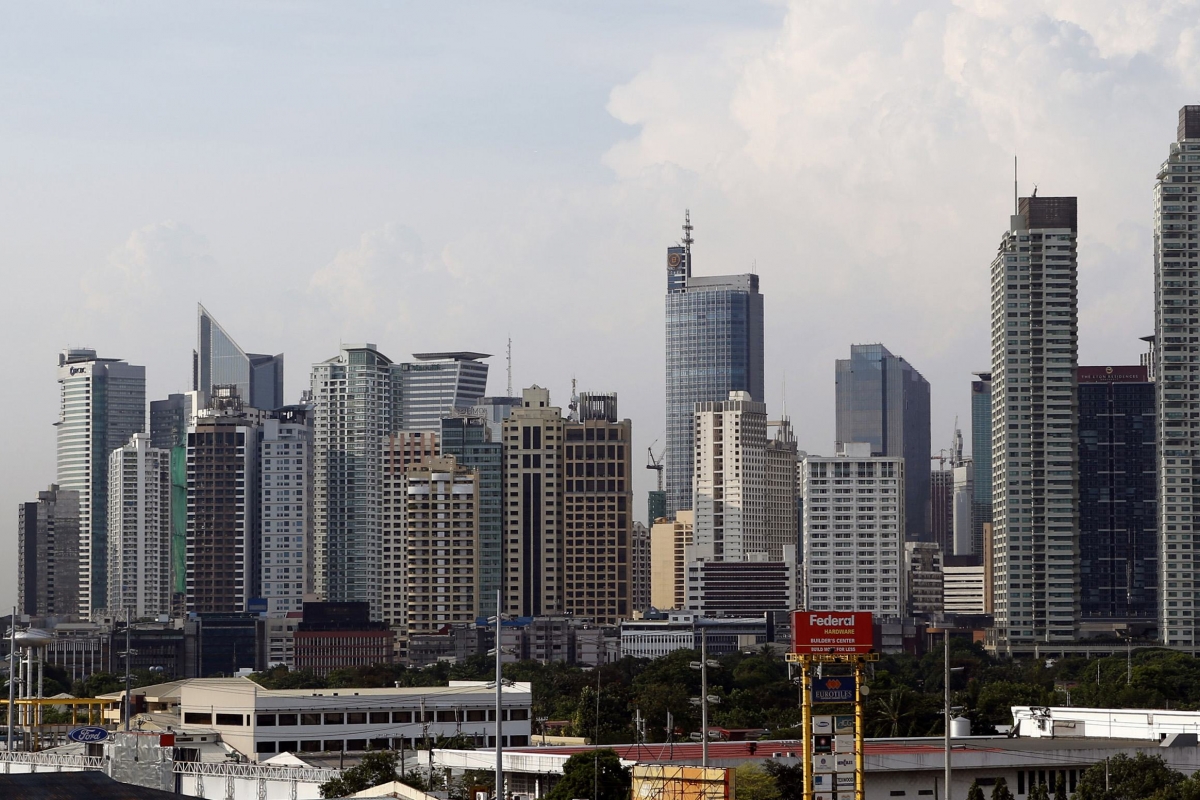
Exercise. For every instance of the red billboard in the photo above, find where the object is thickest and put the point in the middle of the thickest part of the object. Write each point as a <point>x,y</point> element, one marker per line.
<point>832,632</point>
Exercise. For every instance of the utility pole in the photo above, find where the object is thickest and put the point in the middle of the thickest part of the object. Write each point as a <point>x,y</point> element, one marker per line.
<point>946,657</point>
<point>1129,658</point>
<point>500,677</point>
<point>703,696</point>
<point>12,661</point>
<point>128,704</point>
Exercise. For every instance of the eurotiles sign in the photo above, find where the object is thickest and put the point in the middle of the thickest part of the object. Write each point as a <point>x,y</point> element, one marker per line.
<point>832,632</point>
<point>838,689</point>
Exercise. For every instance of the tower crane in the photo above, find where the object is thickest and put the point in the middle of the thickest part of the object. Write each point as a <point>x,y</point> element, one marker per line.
<point>655,464</point>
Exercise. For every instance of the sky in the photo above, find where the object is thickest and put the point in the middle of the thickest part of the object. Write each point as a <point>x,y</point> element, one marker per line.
<point>446,176</point>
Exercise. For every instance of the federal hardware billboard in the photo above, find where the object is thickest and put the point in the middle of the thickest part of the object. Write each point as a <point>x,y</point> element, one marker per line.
<point>832,632</point>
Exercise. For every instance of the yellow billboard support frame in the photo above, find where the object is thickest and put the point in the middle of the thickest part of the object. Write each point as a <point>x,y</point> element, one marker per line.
<point>859,663</point>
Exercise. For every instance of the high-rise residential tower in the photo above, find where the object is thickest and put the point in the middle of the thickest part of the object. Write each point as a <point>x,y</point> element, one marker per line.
<point>1035,459</point>
<point>1176,328</point>
<point>169,419</point>
<point>356,401</point>
<point>139,529</point>
<point>102,404</point>
<point>48,554</point>
<point>981,458</point>
<point>533,521</point>
<point>286,508</point>
<point>884,401</point>
<point>435,385</point>
<point>1118,523</point>
<point>854,531</point>
<point>714,347</point>
<point>730,481</point>
<point>941,508</point>
<point>403,451</point>
<point>219,361</point>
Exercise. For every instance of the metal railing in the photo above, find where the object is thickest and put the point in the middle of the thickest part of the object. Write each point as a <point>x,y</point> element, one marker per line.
<point>59,761</point>
<point>270,772</point>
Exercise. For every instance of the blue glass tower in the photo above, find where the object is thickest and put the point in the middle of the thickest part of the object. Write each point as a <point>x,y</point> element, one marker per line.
<point>219,361</point>
<point>981,458</point>
<point>714,347</point>
<point>884,401</point>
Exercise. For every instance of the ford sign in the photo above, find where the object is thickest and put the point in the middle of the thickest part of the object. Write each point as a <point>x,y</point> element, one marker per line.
<point>88,735</point>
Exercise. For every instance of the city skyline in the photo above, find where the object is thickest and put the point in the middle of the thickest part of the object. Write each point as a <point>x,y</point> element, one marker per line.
<point>126,278</point>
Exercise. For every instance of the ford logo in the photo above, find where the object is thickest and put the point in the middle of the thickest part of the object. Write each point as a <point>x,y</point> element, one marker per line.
<point>88,735</point>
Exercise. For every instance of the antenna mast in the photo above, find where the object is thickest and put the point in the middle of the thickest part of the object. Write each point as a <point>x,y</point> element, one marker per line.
<point>687,231</point>
<point>510,394</point>
<point>1016,203</point>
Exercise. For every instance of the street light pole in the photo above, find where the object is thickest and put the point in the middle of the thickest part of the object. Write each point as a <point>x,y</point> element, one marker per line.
<point>499,709</point>
<point>703,696</point>
<point>946,658</point>
<point>128,704</point>
<point>12,660</point>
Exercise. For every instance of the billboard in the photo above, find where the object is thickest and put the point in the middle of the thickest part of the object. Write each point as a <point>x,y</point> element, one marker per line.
<point>834,689</point>
<point>669,782</point>
<point>832,632</point>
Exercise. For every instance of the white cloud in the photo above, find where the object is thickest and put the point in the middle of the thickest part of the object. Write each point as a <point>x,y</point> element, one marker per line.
<point>136,274</point>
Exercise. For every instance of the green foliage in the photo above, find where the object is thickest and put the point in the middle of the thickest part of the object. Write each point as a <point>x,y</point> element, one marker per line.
<point>580,778</point>
<point>975,792</point>
<point>99,683</point>
<point>375,768</point>
<point>1000,790</point>
<point>1135,778</point>
<point>1039,792</point>
<point>1060,787</point>
<point>752,782</point>
<point>789,779</point>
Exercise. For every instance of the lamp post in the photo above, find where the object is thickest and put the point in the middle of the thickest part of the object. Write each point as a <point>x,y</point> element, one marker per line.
<point>949,710</point>
<point>703,664</point>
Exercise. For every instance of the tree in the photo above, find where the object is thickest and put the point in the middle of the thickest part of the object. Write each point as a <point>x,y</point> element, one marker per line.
<point>375,768</point>
<point>754,783</point>
<point>1000,790</point>
<point>1039,792</point>
<point>580,777</point>
<point>1060,787</point>
<point>789,779</point>
<point>1128,778</point>
<point>975,792</point>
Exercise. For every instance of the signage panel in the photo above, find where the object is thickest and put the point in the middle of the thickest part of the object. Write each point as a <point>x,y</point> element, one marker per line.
<point>823,764</point>
<point>843,723</point>
<point>822,744</point>
<point>837,689</point>
<point>823,782</point>
<point>822,725</point>
<point>845,781</point>
<point>88,735</point>
<point>844,742</point>
<point>843,762</point>
<point>832,632</point>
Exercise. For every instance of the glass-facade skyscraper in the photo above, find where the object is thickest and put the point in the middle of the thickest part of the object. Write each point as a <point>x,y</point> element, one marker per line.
<point>1118,524</point>
<point>883,401</point>
<point>714,347</point>
<point>102,404</point>
<point>981,458</point>
<point>219,361</point>
<point>435,385</point>
<point>468,439</point>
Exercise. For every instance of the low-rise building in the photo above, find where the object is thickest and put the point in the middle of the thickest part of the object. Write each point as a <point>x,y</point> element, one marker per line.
<point>654,638</point>
<point>262,722</point>
<point>340,635</point>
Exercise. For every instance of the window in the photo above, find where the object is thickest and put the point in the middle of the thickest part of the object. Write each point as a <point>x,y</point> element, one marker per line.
<point>287,719</point>
<point>335,719</point>
<point>476,714</point>
<point>287,747</point>
<point>356,744</point>
<point>310,719</point>
<point>264,747</point>
<point>333,745</point>
<point>445,716</point>
<point>356,718</point>
<point>310,746</point>
<point>266,720</point>
<point>519,713</point>
<point>401,716</point>
<point>197,718</point>
<point>379,716</point>
<point>230,719</point>
<point>897,793</point>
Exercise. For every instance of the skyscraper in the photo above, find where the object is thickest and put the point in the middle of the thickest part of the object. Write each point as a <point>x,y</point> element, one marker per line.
<point>139,529</point>
<point>402,451</point>
<point>222,507</point>
<point>356,405</point>
<point>882,400</point>
<point>103,403</point>
<point>168,421</point>
<point>598,512</point>
<point>437,384</point>
<point>853,548</point>
<point>219,361</point>
<point>48,554</point>
<point>730,483</point>
<point>533,522</point>
<point>1035,459</point>
<point>286,507</point>
<point>714,342</point>
<point>469,439</point>
<point>981,458</point>
<point>1118,523</point>
<point>441,555</point>
<point>1176,327</point>
<point>941,506</point>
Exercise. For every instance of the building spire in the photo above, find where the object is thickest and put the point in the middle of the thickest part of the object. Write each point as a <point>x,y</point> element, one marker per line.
<point>687,230</point>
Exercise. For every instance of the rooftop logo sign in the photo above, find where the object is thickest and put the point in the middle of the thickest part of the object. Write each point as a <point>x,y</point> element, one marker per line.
<point>832,633</point>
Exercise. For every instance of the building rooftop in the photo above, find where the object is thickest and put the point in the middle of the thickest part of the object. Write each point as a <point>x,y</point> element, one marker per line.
<point>75,786</point>
<point>451,355</point>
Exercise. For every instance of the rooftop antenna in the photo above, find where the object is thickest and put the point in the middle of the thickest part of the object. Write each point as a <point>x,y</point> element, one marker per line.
<point>1016,203</point>
<point>687,231</point>
<point>509,356</point>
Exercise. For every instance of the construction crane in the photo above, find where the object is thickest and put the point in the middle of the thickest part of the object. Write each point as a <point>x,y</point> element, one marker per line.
<point>655,463</point>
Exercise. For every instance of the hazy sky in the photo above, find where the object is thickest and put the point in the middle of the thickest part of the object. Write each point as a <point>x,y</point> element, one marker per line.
<point>442,176</point>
